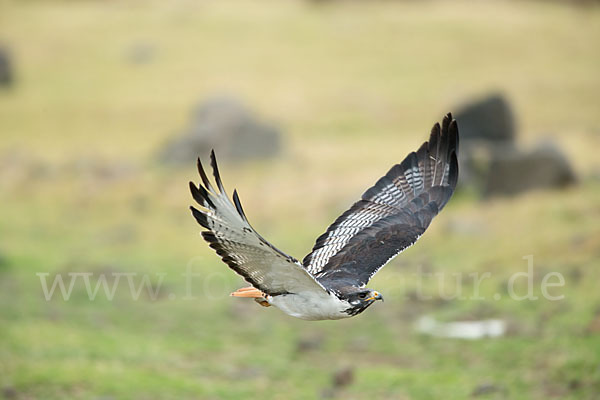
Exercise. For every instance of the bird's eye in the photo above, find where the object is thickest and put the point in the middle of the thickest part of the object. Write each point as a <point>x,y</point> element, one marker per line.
<point>362,295</point>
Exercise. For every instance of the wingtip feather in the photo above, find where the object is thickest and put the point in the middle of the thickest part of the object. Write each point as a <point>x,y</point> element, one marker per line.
<point>217,175</point>
<point>204,177</point>
<point>201,196</point>
<point>238,205</point>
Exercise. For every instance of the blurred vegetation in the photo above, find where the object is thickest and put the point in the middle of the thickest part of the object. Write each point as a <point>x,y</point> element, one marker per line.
<point>355,87</point>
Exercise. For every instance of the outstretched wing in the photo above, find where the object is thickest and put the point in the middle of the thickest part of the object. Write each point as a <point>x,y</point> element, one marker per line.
<point>391,215</point>
<point>241,247</point>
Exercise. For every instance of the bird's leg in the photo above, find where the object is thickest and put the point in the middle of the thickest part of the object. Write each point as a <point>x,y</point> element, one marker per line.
<point>248,292</point>
<point>254,293</point>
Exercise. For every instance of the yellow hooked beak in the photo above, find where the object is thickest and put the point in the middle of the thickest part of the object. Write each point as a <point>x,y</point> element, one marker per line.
<point>376,296</point>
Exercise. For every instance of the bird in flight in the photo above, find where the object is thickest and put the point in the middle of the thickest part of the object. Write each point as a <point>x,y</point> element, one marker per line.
<point>330,282</point>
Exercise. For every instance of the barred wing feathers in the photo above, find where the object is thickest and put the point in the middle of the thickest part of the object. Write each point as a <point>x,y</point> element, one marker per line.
<point>241,247</point>
<point>391,215</point>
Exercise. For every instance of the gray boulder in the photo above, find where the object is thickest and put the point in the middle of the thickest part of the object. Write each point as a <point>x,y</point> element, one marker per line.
<point>488,120</point>
<point>487,126</point>
<point>227,126</point>
<point>515,171</point>
<point>6,72</point>
<point>491,162</point>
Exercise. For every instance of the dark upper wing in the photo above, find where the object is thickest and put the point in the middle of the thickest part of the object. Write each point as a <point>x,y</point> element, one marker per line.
<point>241,247</point>
<point>391,215</point>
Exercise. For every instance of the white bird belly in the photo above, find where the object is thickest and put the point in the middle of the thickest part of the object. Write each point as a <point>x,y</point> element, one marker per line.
<point>311,307</point>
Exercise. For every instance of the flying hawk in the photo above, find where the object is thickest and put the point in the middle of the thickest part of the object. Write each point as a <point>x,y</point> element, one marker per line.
<point>330,282</point>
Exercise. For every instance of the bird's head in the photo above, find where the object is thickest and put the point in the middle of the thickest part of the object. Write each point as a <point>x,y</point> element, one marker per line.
<point>360,299</point>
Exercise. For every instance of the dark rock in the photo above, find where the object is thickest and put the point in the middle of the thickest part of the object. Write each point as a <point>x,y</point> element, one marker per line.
<point>228,127</point>
<point>512,172</point>
<point>343,377</point>
<point>9,392</point>
<point>486,125</point>
<point>489,119</point>
<point>490,161</point>
<point>6,70</point>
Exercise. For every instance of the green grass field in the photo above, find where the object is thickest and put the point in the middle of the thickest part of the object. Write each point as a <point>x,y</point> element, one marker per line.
<point>355,87</point>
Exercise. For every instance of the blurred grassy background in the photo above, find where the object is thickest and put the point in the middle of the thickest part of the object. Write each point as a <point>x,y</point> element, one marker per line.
<point>354,87</point>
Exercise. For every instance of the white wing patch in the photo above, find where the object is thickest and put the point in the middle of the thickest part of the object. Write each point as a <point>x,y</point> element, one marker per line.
<point>341,232</point>
<point>388,200</point>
